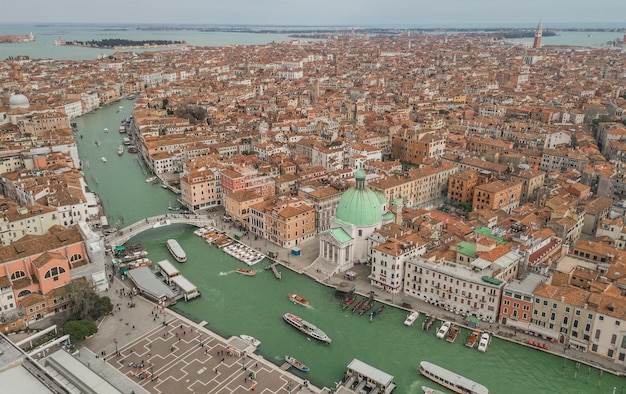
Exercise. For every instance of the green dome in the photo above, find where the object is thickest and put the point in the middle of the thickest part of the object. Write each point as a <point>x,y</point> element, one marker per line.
<point>360,205</point>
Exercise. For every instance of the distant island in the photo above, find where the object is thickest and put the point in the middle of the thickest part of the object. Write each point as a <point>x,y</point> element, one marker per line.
<point>118,43</point>
<point>15,38</point>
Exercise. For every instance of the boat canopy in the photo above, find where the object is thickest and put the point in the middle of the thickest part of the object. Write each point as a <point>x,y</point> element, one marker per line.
<point>375,374</point>
<point>184,284</point>
<point>145,280</point>
<point>168,268</point>
<point>238,235</point>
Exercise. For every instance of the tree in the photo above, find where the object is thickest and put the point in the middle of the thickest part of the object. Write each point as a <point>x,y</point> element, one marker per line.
<point>102,307</point>
<point>80,329</point>
<point>82,298</point>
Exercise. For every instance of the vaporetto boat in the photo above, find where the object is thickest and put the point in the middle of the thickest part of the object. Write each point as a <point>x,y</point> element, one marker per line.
<point>176,250</point>
<point>306,327</point>
<point>451,380</point>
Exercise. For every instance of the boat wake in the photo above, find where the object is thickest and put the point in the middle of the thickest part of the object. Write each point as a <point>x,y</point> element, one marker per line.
<point>222,273</point>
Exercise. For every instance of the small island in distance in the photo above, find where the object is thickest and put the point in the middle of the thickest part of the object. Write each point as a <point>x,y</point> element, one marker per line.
<point>117,43</point>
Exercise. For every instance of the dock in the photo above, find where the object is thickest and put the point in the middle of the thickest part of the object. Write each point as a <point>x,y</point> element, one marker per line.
<point>274,269</point>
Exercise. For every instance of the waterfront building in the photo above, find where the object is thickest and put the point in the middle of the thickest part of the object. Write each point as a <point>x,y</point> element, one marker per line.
<point>286,221</point>
<point>388,258</point>
<point>359,213</point>
<point>200,189</point>
<point>609,336</point>
<point>517,304</point>
<point>237,206</point>
<point>469,291</point>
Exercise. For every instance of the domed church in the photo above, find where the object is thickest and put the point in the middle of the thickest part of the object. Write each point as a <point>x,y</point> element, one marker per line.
<point>359,213</point>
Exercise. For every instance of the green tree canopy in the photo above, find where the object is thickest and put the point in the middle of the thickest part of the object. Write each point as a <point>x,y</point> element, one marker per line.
<point>79,329</point>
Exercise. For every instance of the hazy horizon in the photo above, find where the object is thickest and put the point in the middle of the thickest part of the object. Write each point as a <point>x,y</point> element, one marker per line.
<point>408,13</point>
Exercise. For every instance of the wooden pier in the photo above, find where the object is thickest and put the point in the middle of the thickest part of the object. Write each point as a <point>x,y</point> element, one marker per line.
<point>275,270</point>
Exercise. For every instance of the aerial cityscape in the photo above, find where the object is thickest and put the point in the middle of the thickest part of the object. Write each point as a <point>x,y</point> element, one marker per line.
<point>313,205</point>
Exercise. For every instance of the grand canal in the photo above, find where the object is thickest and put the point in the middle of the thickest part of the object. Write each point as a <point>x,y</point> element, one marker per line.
<point>234,304</point>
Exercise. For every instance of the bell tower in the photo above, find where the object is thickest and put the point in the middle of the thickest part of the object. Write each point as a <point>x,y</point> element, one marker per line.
<point>538,33</point>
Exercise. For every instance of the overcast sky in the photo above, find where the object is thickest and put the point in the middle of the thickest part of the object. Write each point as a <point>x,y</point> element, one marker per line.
<point>317,12</point>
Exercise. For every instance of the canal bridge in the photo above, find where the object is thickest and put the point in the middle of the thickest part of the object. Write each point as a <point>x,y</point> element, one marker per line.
<point>122,235</point>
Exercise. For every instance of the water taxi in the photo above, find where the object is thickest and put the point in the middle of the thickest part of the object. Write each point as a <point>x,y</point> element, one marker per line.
<point>251,340</point>
<point>103,159</point>
<point>306,327</point>
<point>126,141</point>
<point>151,179</point>
<point>410,319</point>
<point>484,342</point>
<point>245,271</point>
<point>472,338</point>
<point>451,380</point>
<point>120,150</point>
<point>296,364</point>
<point>452,334</point>
<point>176,250</point>
<point>443,330</point>
<point>296,299</point>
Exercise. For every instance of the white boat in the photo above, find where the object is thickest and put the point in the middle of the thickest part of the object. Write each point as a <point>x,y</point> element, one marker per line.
<point>484,342</point>
<point>176,250</point>
<point>106,130</point>
<point>296,364</point>
<point>151,179</point>
<point>251,340</point>
<point>428,390</point>
<point>104,159</point>
<point>451,380</point>
<point>306,327</point>
<point>127,141</point>
<point>410,319</point>
<point>443,330</point>
<point>120,150</point>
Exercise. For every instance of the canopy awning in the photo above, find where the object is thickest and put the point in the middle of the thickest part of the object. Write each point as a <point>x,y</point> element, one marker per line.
<point>238,234</point>
<point>270,250</point>
<point>532,328</point>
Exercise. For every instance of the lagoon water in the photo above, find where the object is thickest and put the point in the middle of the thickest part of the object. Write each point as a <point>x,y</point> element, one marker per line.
<point>44,48</point>
<point>234,304</point>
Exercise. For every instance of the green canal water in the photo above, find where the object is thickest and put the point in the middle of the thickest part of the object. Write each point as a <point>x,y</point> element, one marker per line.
<point>234,304</point>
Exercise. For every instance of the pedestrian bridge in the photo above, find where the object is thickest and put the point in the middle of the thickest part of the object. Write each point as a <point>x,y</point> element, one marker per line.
<point>122,235</point>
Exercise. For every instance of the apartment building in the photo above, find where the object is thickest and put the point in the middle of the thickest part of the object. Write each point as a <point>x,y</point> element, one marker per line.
<point>237,206</point>
<point>200,189</point>
<point>461,186</point>
<point>285,221</point>
<point>454,287</point>
<point>18,221</point>
<point>388,261</point>
<point>415,146</point>
<point>504,195</point>
<point>324,201</point>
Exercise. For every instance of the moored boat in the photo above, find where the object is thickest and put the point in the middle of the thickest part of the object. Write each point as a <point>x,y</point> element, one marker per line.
<point>245,271</point>
<point>176,250</point>
<point>306,327</point>
<point>472,338</point>
<point>451,380</point>
<point>298,300</point>
<point>410,319</point>
<point>430,320</point>
<point>120,150</point>
<point>251,340</point>
<point>443,330</point>
<point>453,333</point>
<point>348,302</point>
<point>358,305</point>
<point>103,159</point>
<point>484,342</point>
<point>296,364</point>
<point>133,149</point>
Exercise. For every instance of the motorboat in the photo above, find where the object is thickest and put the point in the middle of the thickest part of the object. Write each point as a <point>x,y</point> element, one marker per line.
<point>245,271</point>
<point>306,327</point>
<point>296,299</point>
<point>251,340</point>
<point>472,338</point>
<point>120,150</point>
<point>484,342</point>
<point>443,330</point>
<point>104,159</point>
<point>296,364</point>
<point>411,318</point>
<point>451,380</point>
<point>453,333</point>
